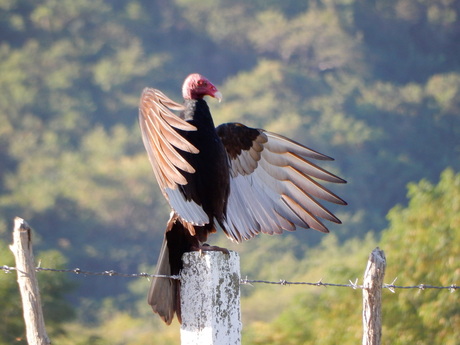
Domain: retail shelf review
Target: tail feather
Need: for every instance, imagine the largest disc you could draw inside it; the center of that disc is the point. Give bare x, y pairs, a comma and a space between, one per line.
164, 293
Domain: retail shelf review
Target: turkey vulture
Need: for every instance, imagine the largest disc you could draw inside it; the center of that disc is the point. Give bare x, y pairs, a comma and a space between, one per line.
246, 180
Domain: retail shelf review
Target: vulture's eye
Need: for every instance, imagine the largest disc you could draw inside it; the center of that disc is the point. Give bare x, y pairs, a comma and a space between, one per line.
201, 83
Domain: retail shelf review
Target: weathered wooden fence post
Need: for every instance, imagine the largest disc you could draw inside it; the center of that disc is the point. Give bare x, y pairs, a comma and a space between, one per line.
210, 299
372, 298
28, 285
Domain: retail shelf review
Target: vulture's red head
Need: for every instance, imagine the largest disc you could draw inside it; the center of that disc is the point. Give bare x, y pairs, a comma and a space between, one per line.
196, 87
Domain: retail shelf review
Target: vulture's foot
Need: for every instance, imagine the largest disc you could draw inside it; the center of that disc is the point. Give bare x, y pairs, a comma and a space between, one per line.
207, 248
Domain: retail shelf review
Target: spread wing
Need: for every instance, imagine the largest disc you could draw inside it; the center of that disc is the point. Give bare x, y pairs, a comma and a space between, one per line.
164, 145
273, 184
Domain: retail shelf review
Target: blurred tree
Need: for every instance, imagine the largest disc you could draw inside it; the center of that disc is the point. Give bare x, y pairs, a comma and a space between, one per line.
409, 40
54, 289
69, 73
420, 246
317, 315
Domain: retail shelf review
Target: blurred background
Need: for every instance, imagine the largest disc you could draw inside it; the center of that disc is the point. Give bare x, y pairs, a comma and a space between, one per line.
374, 84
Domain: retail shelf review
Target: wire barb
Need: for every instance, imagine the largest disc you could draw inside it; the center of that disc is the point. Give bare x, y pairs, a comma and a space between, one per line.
244, 281
7, 269
391, 286
320, 283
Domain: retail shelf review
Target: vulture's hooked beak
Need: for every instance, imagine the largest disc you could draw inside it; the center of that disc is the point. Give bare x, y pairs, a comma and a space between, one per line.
218, 96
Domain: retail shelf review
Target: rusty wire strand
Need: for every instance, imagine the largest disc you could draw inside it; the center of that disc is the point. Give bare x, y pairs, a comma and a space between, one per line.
243, 281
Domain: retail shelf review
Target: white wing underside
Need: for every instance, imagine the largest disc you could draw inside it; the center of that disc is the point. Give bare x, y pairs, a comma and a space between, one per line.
271, 190
187, 210
161, 140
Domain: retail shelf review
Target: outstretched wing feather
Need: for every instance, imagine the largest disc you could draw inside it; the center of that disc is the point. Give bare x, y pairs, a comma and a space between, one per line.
161, 140
273, 186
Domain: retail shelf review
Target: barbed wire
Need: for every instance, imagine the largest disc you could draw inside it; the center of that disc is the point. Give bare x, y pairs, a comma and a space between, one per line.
109, 273
392, 287
243, 281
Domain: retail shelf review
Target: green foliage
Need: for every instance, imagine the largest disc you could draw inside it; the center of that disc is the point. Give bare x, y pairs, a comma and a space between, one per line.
54, 289
12, 326
409, 40
421, 248
317, 315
